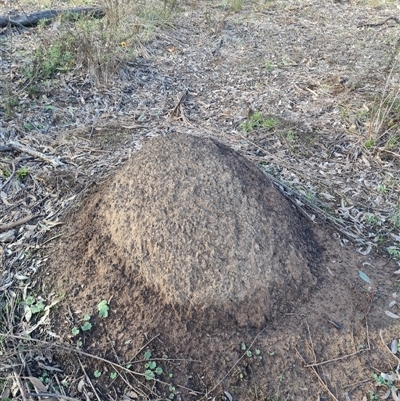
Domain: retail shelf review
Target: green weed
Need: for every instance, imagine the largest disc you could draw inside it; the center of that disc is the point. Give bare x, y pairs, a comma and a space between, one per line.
151, 367
22, 172
256, 121
369, 144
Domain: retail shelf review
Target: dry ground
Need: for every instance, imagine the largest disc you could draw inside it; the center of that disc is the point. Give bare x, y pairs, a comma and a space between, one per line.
318, 88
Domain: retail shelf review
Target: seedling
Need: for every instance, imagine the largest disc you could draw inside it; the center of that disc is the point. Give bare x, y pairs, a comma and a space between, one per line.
97, 374
103, 309
151, 368
85, 327
369, 144
113, 375
256, 121
394, 252
22, 172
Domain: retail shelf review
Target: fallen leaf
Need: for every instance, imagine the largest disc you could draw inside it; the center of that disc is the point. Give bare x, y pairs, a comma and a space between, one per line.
392, 315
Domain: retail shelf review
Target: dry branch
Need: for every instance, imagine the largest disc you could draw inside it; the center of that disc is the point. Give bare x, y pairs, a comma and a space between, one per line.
25, 149
48, 15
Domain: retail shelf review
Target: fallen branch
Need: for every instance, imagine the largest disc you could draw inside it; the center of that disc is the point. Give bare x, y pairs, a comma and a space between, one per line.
22, 148
9, 226
48, 15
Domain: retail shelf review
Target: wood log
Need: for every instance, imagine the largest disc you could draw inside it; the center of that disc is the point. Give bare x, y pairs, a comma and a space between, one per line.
48, 15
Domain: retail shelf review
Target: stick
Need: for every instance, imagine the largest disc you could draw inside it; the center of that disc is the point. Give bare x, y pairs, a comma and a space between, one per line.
9, 226
88, 379
22, 148
318, 376
235, 364
54, 395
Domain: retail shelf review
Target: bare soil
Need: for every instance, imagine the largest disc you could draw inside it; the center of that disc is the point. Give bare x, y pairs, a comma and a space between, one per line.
316, 70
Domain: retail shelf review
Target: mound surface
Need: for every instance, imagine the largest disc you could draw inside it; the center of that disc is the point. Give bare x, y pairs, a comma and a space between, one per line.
203, 227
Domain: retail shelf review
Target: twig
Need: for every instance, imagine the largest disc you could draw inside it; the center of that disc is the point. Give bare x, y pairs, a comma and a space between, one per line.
395, 19
99, 358
53, 395
88, 379
387, 348
9, 226
318, 376
311, 365
144, 346
180, 100
235, 364
388, 151
20, 386
22, 148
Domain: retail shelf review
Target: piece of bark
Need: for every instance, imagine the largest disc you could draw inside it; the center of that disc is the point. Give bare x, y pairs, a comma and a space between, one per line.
48, 15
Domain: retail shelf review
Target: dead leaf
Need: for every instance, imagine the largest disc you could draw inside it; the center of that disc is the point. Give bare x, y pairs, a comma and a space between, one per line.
392, 315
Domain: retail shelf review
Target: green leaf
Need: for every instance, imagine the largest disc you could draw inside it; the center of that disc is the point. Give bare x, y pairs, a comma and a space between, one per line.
171, 389
29, 301
103, 308
249, 353
75, 331
258, 352
147, 355
86, 327
159, 370
171, 396
79, 343
364, 277
152, 365
38, 307
97, 374
128, 366
86, 318
243, 347
113, 375
149, 374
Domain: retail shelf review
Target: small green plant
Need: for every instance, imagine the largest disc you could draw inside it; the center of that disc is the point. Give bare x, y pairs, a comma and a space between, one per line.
171, 390
113, 375
373, 396
22, 172
290, 136
382, 189
394, 218
50, 59
394, 252
34, 305
269, 66
393, 143
382, 380
372, 220
75, 331
103, 309
369, 144
256, 121
151, 367
97, 374
85, 327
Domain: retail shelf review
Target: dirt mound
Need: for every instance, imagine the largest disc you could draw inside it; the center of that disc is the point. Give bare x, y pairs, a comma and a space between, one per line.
195, 249
204, 227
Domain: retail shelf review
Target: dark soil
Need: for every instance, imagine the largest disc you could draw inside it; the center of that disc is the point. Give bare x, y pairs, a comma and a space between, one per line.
192, 244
